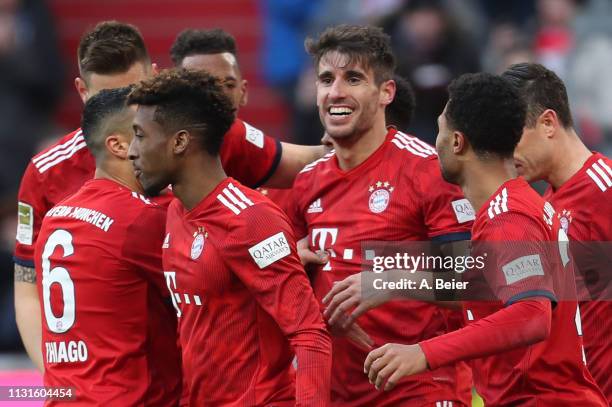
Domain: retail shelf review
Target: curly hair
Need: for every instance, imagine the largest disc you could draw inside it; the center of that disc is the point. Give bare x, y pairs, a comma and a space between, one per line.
542, 89
367, 45
111, 47
190, 100
191, 42
488, 110
399, 113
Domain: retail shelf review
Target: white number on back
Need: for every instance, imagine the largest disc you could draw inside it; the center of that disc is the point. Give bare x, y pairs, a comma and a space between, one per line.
60, 276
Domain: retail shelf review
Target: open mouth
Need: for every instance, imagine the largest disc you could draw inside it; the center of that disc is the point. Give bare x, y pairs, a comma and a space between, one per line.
340, 112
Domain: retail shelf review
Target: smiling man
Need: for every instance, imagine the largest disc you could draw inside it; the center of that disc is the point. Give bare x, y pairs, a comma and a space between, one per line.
378, 185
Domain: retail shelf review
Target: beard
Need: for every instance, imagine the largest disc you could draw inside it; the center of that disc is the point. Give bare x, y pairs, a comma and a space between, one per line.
447, 175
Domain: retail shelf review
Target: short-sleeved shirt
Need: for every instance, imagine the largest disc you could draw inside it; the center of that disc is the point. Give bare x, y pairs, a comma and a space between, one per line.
396, 194
243, 298
521, 229
584, 209
109, 329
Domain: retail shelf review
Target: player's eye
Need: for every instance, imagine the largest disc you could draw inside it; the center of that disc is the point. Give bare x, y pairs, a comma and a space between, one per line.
326, 80
354, 80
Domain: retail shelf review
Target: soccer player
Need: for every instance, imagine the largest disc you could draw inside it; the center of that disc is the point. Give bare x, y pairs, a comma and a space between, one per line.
108, 322
244, 303
379, 184
111, 55
581, 192
215, 51
526, 346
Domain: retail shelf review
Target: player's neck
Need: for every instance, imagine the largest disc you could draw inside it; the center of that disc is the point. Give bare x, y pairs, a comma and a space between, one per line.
199, 176
570, 156
480, 180
120, 173
352, 151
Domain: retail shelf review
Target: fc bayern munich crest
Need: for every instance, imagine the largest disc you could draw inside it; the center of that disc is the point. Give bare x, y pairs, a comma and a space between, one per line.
380, 196
197, 246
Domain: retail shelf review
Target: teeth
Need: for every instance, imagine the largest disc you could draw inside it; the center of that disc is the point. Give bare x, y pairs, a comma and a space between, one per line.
340, 110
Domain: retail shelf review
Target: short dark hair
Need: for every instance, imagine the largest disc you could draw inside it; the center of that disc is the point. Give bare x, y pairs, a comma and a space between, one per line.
367, 45
111, 47
542, 89
103, 114
193, 42
401, 110
186, 99
488, 110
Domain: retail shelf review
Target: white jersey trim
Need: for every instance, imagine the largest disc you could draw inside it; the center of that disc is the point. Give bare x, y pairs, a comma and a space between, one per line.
59, 153
312, 165
413, 145
601, 174
499, 204
239, 200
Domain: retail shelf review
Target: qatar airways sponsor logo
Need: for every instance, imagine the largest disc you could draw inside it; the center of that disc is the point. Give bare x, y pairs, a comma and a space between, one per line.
523, 267
270, 250
463, 210
66, 352
98, 219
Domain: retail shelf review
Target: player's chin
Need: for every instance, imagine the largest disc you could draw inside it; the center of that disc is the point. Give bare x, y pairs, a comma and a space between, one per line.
152, 189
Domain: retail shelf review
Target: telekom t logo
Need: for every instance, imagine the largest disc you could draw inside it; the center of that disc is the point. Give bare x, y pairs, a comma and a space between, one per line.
171, 283
320, 240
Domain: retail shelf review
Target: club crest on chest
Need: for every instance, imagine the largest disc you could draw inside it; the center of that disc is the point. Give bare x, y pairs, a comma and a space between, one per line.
380, 196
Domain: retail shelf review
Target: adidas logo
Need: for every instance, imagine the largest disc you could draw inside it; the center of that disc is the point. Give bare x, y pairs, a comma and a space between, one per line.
166, 244
315, 207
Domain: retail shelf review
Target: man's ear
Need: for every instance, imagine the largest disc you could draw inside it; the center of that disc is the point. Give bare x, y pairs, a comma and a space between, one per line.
81, 87
118, 144
549, 122
388, 92
244, 87
181, 140
154, 69
460, 143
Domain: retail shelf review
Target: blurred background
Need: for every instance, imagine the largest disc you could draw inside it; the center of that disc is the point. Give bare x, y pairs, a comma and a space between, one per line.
434, 41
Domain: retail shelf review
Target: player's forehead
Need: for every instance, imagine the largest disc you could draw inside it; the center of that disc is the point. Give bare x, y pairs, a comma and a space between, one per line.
222, 65
339, 63
136, 73
144, 116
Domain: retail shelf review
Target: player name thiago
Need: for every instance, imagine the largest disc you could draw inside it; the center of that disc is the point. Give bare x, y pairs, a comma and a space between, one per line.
419, 284
96, 218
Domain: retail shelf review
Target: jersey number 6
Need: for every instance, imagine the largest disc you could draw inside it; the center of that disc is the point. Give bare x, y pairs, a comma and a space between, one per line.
60, 276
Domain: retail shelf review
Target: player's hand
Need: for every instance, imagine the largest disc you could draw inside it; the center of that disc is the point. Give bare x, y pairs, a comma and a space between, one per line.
307, 256
393, 361
348, 294
355, 334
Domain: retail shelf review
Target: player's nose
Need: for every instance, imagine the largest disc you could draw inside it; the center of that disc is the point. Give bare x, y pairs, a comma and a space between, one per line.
132, 153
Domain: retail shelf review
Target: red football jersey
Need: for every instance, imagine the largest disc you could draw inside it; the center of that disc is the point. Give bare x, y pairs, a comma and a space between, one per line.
60, 170
551, 372
281, 197
244, 301
109, 330
584, 207
397, 194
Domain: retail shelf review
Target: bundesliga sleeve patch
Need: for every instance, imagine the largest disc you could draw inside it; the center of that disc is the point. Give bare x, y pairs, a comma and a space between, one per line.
254, 136
270, 250
463, 210
523, 267
25, 223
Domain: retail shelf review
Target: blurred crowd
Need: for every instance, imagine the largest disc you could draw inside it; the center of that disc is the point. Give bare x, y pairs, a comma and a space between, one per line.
437, 40
434, 41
